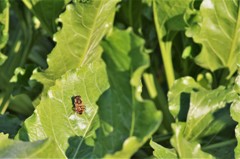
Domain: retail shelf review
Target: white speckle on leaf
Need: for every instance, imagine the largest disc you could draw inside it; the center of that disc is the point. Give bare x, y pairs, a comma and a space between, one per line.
72, 117
79, 123
185, 81
208, 4
73, 77
106, 25
35, 71
139, 88
82, 125
50, 94
88, 110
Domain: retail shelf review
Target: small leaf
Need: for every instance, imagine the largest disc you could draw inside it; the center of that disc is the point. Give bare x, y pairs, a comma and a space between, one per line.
210, 109
127, 120
191, 103
18, 149
2, 58
179, 96
162, 152
185, 148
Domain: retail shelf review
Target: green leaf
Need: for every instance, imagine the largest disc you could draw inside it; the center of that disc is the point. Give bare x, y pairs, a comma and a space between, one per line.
130, 14
126, 120
47, 12
38, 53
235, 115
55, 118
21, 39
191, 103
32, 129
162, 152
4, 22
9, 124
179, 96
209, 109
220, 43
77, 41
168, 17
235, 111
3, 58
185, 148
18, 149
21, 104
75, 68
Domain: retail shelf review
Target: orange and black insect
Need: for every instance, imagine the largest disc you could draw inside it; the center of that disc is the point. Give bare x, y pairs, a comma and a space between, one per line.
79, 107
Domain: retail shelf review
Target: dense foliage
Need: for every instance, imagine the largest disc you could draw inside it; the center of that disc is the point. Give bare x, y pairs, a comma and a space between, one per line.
158, 78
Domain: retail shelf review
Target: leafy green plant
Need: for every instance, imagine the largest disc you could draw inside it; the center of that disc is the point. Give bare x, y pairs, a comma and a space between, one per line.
158, 78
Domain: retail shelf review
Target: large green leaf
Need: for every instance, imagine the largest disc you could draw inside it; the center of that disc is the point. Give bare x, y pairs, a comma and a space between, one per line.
126, 120
168, 17
4, 21
220, 42
55, 118
19, 149
77, 41
162, 152
47, 12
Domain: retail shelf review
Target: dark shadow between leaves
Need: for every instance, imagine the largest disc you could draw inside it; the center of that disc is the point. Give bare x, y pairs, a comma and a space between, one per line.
78, 148
184, 106
222, 143
9, 124
23, 134
173, 25
220, 77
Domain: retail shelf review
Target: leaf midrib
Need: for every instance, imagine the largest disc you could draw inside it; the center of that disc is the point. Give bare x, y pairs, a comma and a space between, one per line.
90, 36
233, 45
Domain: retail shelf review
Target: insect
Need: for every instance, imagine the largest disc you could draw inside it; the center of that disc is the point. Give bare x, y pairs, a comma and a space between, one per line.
79, 107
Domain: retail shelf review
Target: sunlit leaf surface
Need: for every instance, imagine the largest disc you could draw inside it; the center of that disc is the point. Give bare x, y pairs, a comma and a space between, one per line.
219, 34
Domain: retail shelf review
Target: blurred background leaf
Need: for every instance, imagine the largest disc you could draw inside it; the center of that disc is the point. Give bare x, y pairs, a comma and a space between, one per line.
47, 12
19, 149
126, 120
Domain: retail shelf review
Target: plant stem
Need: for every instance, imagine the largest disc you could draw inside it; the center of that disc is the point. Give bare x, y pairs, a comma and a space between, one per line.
167, 61
166, 49
158, 96
5, 102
